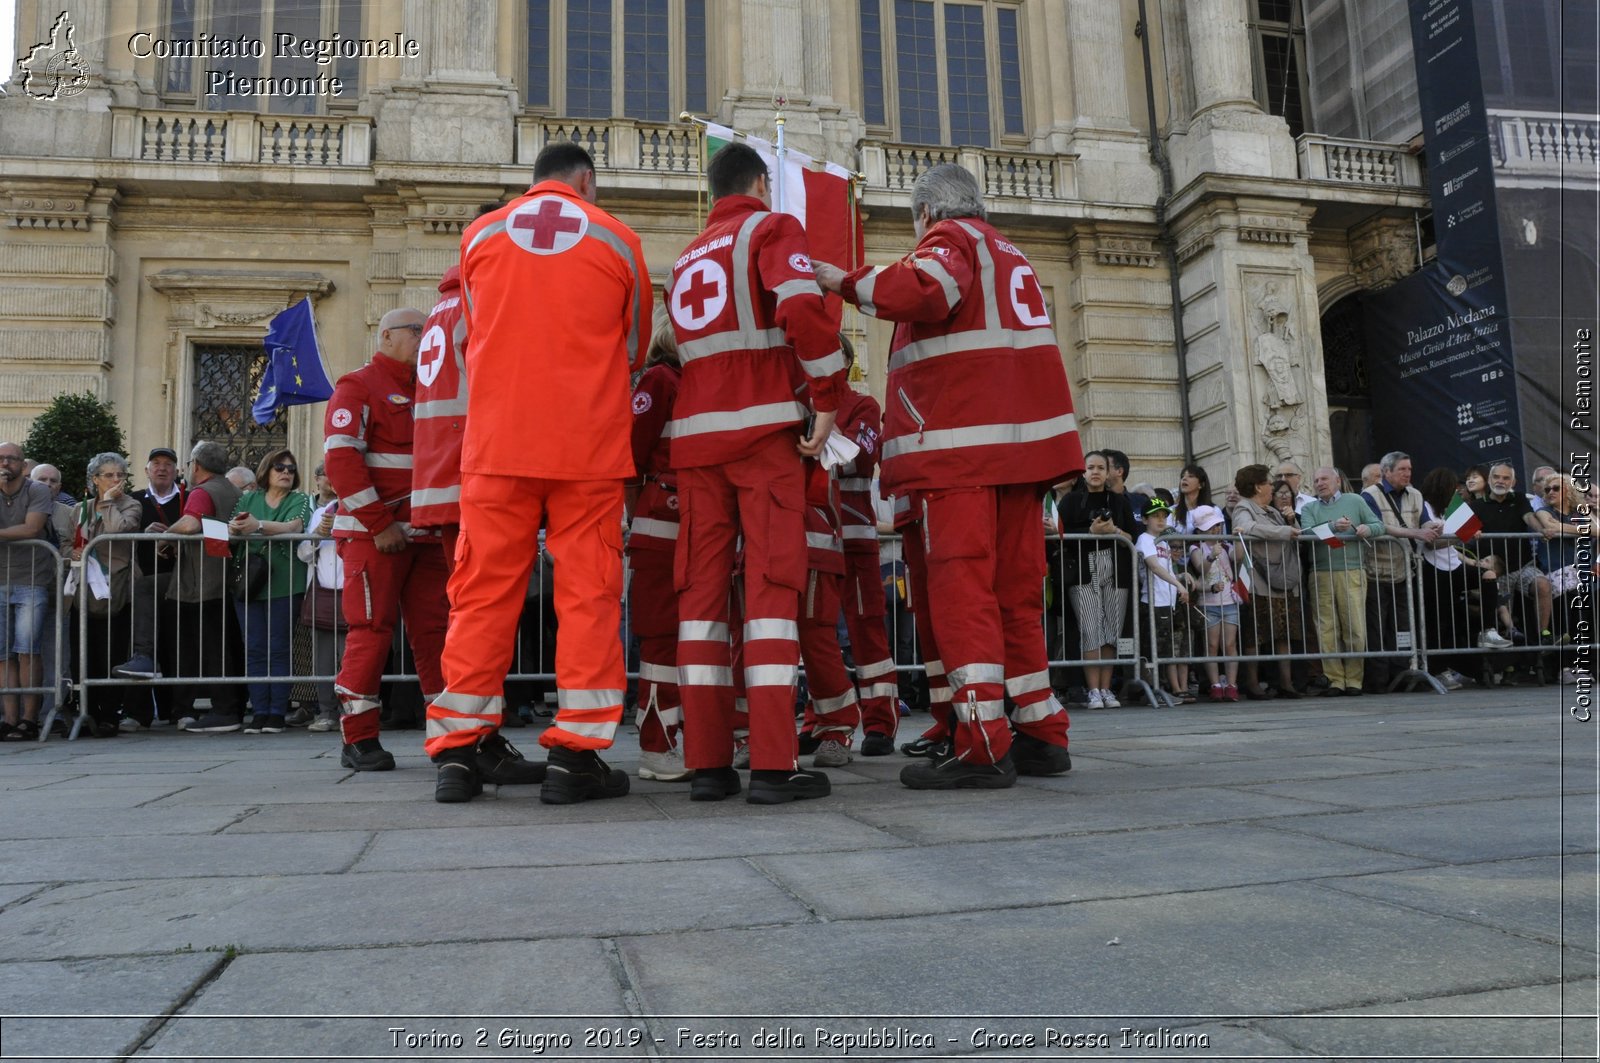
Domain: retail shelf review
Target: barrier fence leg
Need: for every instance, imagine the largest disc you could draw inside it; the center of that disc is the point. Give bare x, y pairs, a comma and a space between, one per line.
1417, 668
1138, 660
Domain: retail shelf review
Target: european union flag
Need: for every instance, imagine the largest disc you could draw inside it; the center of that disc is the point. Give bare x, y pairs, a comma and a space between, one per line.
295, 372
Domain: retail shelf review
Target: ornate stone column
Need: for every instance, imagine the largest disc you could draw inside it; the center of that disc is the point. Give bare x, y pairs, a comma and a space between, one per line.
1113, 161
1219, 42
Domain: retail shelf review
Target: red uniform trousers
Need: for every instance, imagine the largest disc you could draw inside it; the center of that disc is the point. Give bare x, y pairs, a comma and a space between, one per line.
986, 567
653, 603
916, 558
378, 590
864, 613
760, 496
832, 711
498, 547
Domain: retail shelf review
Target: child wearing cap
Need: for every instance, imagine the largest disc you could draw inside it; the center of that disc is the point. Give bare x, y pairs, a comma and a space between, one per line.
1213, 562
1162, 589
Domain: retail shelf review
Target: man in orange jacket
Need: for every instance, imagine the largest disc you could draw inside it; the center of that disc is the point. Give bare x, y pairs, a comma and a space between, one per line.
557, 306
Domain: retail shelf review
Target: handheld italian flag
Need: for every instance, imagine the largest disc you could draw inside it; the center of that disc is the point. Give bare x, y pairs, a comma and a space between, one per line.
824, 200
216, 536
1460, 522
1328, 537
1243, 578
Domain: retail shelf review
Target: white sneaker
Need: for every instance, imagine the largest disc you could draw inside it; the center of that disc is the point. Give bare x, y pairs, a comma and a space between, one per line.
127, 725
741, 752
1493, 640
831, 754
1109, 700
186, 722
324, 723
1096, 700
663, 767
1450, 679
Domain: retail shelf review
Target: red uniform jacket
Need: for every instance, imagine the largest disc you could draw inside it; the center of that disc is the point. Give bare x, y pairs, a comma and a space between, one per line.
558, 297
655, 513
862, 423
367, 434
751, 331
440, 410
977, 395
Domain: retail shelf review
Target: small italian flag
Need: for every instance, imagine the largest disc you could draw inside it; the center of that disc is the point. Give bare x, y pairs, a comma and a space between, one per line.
216, 536
1242, 579
1328, 537
823, 199
1460, 522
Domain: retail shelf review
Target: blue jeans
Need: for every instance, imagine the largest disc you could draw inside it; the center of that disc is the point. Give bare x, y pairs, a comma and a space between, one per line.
268, 627
22, 618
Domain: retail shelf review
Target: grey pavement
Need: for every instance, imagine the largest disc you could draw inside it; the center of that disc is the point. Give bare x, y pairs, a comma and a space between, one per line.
1398, 877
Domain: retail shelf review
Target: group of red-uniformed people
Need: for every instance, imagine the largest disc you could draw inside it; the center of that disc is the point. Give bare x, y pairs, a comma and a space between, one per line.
747, 463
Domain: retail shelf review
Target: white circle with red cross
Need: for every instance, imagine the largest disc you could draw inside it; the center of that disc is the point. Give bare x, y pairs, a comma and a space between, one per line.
430, 356
547, 225
1027, 298
700, 295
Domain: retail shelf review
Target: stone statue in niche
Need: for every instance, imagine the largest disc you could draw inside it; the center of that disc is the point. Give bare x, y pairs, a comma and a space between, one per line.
1277, 349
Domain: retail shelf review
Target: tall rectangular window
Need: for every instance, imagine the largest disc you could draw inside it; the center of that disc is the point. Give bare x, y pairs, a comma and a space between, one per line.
644, 59
1010, 73
872, 63
589, 58
918, 81
694, 56
235, 19
536, 86
179, 70
966, 66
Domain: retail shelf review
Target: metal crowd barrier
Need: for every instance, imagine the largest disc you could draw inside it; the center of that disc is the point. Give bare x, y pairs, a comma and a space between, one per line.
1088, 592
33, 582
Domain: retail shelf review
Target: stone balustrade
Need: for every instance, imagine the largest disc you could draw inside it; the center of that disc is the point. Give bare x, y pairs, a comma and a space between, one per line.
230, 137
1358, 162
894, 168
1537, 143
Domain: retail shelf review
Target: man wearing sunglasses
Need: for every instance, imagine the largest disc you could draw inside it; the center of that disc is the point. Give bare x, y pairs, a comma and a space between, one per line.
390, 569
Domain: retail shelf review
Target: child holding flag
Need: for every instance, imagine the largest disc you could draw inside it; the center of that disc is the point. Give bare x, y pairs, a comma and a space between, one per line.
1214, 563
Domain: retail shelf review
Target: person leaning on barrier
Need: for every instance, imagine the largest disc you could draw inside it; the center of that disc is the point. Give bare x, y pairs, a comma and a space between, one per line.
1338, 579
1505, 511
1388, 561
1450, 585
325, 571
1274, 610
1563, 524
1099, 576
107, 510
29, 580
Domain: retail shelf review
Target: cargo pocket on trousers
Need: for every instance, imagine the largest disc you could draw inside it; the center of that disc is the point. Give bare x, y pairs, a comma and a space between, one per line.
784, 543
944, 537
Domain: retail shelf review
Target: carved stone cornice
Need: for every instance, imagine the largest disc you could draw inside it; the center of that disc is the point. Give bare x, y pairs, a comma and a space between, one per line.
58, 206
233, 298
1382, 251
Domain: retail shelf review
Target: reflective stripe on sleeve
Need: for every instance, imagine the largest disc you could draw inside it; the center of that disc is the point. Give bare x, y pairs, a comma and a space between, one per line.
723, 342
334, 442
789, 289
439, 408
935, 269
980, 435
983, 339
360, 498
816, 368
734, 420
388, 461
864, 288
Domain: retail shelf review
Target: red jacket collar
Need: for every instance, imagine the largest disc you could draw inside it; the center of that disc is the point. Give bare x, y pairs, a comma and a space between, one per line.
396, 370
730, 207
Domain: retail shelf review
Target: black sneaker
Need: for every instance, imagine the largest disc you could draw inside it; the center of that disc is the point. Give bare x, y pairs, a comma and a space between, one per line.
713, 784
366, 755
877, 745
498, 761
458, 779
139, 666
216, 723
925, 747
1035, 756
777, 787
808, 743
949, 772
573, 775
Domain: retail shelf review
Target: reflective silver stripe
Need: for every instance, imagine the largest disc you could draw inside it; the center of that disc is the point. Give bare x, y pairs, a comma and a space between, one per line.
439, 408
771, 629
939, 695
935, 269
771, 675
864, 289
641, 285
360, 498
1039, 710
968, 674
704, 675
975, 340
986, 275
723, 342
876, 669
835, 704
439, 726
796, 287
967, 711
881, 690
742, 303
352, 697
901, 504
979, 435
482, 234
335, 442
733, 420
345, 522
388, 461
1027, 684
670, 717
821, 541
435, 496
817, 368
859, 531
935, 667
659, 529
856, 483
588, 700
702, 631
603, 729
657, 673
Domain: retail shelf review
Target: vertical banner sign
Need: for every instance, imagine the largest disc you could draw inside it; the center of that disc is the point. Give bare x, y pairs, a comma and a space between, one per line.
1438, 342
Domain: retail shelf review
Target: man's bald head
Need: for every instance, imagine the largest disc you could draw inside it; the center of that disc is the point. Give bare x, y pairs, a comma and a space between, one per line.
400, 333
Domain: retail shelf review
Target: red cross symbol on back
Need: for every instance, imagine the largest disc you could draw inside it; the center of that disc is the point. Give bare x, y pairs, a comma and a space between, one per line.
700, 291
1029, 295
546, 223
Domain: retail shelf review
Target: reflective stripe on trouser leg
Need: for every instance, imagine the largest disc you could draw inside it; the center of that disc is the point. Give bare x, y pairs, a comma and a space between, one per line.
584, 538
660, 705
960, 530
371, 605
864, 617
834, 710
916, 559
703, 571
1019, 586
487, 587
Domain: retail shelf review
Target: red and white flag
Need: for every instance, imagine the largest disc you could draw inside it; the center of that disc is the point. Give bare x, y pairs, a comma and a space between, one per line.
1242, 579
1460, 522
1328, 537
216, 536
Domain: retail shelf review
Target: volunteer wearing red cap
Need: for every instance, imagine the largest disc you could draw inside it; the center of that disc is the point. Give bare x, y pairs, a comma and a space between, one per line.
979, 416
557, 300
751, 332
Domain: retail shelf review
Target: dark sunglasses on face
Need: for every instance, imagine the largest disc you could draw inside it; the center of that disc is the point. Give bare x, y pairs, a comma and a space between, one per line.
285, 468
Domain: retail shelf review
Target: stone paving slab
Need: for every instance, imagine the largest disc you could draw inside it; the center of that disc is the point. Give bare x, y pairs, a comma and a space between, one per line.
1011, 873
46, 800
116, 858
126, 985
1481, 830
90, 822
555, 844
10, 894
382, 908
513, 806
1434, 786
1203, 773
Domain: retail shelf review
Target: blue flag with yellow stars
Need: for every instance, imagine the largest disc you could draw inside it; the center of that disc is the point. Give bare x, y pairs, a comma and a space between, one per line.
295, 374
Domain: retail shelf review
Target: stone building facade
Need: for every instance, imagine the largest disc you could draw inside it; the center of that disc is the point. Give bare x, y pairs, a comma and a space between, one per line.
151, 230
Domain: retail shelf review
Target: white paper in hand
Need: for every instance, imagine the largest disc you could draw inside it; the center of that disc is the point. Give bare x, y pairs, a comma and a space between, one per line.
838, 450
95, 577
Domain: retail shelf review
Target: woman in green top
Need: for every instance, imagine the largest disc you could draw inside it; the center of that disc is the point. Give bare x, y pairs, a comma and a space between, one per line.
265, 519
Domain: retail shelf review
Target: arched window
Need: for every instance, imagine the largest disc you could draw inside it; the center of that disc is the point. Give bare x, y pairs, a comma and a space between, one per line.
942, 72
644, 59
217, 50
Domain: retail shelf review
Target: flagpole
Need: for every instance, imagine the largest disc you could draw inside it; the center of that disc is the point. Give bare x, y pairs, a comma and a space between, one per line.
778, 202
